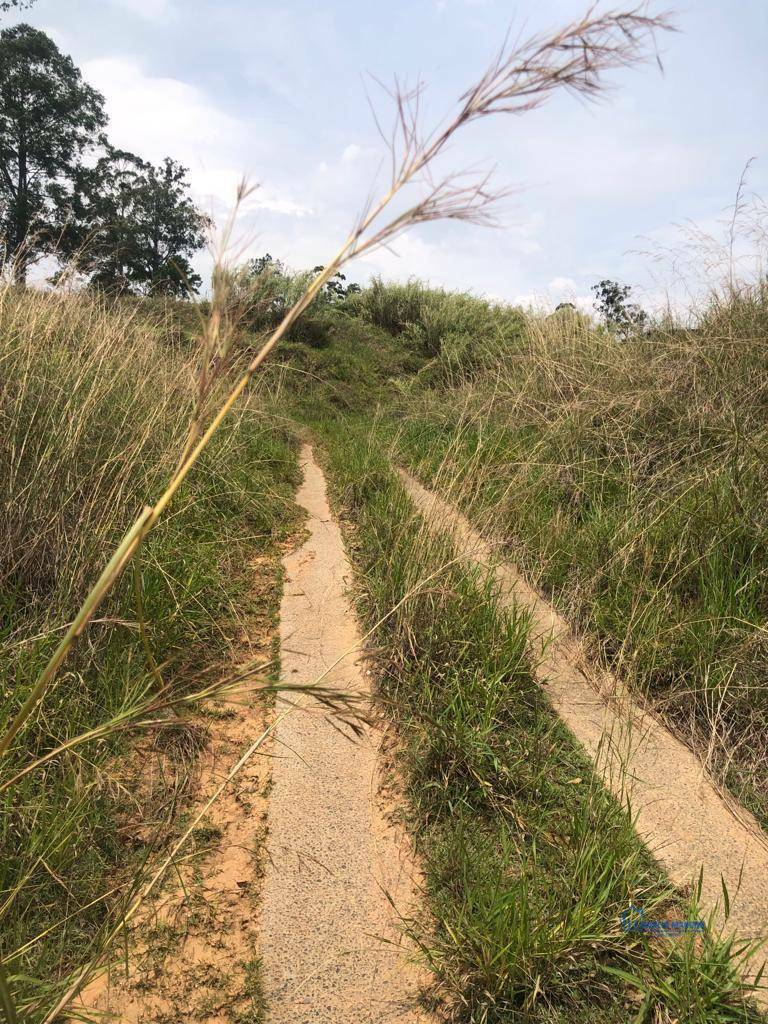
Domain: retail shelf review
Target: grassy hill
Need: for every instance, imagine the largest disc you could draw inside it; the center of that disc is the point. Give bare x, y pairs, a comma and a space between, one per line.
628, 478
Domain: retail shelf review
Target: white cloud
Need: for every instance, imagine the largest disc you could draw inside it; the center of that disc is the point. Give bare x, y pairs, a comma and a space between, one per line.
151, 10
566, 285
351, 152
442, 5
559, 289
267, 198
159, 116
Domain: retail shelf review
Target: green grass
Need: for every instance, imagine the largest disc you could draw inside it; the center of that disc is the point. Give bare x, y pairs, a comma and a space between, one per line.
629, 480
348, 374
253, 995
439, 324
96, 406
528, 860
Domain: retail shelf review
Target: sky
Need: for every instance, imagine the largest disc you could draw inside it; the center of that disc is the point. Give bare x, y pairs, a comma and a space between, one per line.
282, 92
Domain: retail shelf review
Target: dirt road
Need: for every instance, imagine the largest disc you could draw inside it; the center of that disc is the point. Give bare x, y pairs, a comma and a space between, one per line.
330, 943
681, 816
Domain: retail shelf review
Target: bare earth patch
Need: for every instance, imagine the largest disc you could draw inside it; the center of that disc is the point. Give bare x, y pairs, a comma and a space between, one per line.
192, 948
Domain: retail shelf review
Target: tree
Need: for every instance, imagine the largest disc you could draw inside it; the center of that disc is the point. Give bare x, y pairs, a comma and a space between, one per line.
135, 226
22, 5
100, 238
171, 229
266, 264
266, 290
611, 302
336, 289
49, 117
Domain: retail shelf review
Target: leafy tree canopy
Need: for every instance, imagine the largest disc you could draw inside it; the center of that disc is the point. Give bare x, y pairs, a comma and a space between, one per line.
265, 264
22, 5
49, 117
615, 309
135, 226
336, 287
268, 289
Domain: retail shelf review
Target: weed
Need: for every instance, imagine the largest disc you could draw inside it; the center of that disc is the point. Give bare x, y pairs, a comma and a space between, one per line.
95, 398
629, 479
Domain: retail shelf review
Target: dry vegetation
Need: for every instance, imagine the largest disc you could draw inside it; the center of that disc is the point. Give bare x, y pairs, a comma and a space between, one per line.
629, 479
95, 403
629, 476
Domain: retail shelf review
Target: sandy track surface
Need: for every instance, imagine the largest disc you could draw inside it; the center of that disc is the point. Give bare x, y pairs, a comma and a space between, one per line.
330, 940
681, 816
192, 950
192, 943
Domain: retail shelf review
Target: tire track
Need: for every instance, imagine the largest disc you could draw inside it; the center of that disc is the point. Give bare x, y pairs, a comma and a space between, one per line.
330, 941
680, 815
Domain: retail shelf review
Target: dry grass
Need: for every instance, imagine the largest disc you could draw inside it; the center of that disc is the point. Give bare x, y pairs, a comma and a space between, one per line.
97, 400
630, 481
104, 432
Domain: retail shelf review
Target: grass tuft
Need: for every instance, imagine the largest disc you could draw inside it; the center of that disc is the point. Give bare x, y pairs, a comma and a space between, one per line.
96, 399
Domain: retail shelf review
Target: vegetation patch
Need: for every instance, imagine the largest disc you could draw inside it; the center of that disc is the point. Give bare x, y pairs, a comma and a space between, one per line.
529, 862
97, 397
628, 478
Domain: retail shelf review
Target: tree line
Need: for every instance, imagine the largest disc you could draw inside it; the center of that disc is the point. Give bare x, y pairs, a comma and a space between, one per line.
120, 222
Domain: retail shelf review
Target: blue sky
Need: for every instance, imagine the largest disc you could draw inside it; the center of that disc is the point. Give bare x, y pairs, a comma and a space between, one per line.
278, 91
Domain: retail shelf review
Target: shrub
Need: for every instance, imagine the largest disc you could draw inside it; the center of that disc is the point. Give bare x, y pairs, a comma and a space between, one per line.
428, 316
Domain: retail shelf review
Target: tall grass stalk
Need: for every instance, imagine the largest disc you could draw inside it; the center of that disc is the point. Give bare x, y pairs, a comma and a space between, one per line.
523, 76
520, 79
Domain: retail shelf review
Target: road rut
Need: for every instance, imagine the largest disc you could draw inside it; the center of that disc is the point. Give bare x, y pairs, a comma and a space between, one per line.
331, 946
681, 816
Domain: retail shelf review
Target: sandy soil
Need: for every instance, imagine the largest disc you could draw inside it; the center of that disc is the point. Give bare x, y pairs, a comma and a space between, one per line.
193, 944
331, 946
682, 817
